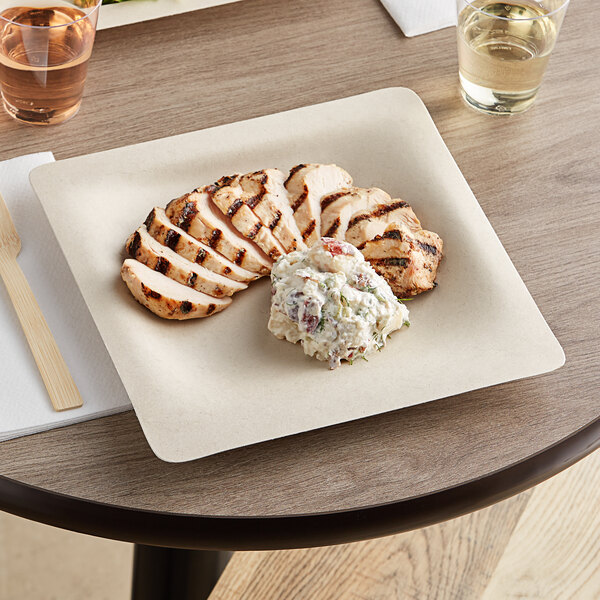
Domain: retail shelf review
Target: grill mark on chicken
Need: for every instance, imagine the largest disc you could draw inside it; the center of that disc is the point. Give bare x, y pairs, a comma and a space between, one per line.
252, 233
301, 199
254, 201
186, 307
427, 247
390, 261
187, 215
393, 234
224, 181
378, 212
327, 200
334, 227
201, 256
293, 171
239, 257
311, 227
210, 310
232, 210
263, 179
171, 239
275, 221
215, 236
162, 265
192, 279
149, 219
226, 270
150, 293
134, 245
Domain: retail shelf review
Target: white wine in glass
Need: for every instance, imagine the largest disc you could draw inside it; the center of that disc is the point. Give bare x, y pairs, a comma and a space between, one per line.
503, 50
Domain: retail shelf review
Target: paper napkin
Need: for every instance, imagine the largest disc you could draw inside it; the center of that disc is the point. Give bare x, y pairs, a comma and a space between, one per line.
24, 404
415, 17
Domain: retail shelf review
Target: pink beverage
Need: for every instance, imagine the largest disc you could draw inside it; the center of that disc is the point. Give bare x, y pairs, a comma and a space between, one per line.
44, 54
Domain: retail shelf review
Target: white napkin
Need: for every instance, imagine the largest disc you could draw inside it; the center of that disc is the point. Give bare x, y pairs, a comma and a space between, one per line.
24, 404
415, 17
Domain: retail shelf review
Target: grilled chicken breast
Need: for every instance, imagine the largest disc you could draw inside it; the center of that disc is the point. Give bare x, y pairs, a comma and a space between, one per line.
339, 207
367, 224
143, 247
196, 215
162, 230
265, 194
209, 244
228, 196
408, 260
306, 185
165, 297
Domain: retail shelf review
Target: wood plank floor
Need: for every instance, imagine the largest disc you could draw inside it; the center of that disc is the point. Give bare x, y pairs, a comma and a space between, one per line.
542, 544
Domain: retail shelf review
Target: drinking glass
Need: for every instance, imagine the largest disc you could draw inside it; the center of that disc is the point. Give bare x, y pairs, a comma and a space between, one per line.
503, 51
45, 46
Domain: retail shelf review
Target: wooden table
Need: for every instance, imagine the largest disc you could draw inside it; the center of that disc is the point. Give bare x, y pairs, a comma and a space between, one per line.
535, 175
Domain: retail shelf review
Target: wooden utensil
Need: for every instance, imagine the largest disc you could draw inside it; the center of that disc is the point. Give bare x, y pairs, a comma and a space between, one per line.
57, 379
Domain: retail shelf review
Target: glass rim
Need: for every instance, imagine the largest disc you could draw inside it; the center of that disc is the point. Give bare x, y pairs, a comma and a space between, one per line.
85, 16
544, 16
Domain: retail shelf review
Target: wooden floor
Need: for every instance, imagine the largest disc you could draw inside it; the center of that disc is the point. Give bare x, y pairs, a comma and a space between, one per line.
542, 544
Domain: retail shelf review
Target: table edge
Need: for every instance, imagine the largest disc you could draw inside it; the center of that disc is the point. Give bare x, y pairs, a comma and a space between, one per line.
274, 532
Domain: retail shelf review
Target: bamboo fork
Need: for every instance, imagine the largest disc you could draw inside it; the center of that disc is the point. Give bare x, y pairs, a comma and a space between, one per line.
57, 379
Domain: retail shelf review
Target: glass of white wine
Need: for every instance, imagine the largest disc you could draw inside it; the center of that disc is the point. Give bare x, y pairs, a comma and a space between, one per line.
503, 50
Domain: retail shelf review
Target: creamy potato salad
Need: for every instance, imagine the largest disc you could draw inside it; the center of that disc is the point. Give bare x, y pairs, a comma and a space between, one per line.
333, 302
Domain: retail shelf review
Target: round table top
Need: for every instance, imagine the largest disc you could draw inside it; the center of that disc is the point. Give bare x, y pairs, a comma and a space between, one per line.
536, 177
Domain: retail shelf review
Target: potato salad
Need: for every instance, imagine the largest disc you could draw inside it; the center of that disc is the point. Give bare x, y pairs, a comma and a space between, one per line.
332, 301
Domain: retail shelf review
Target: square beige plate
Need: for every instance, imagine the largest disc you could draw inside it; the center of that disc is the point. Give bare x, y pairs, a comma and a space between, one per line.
213, 384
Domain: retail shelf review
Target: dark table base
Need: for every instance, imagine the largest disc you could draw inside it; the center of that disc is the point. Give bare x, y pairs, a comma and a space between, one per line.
170, 574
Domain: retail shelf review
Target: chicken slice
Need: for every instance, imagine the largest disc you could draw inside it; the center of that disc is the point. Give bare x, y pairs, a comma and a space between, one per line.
367, 224
338, 208
408, 260
306, 185
143, 247
165, 297
162, 230
228, 196
266, 195
195, 214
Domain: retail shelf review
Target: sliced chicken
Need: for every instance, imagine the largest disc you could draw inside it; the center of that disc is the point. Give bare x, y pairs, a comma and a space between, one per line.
162, 230
367, 224
408, 260
228, 196
266, 195
196, 215
338, 208
165, 297
306, 185
143, 247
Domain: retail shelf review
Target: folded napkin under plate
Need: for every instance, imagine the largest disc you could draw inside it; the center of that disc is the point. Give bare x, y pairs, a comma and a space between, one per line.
415, 17
24, 404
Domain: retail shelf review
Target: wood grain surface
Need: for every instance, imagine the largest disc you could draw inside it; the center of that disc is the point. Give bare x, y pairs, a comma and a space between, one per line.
535, 175
539, 545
